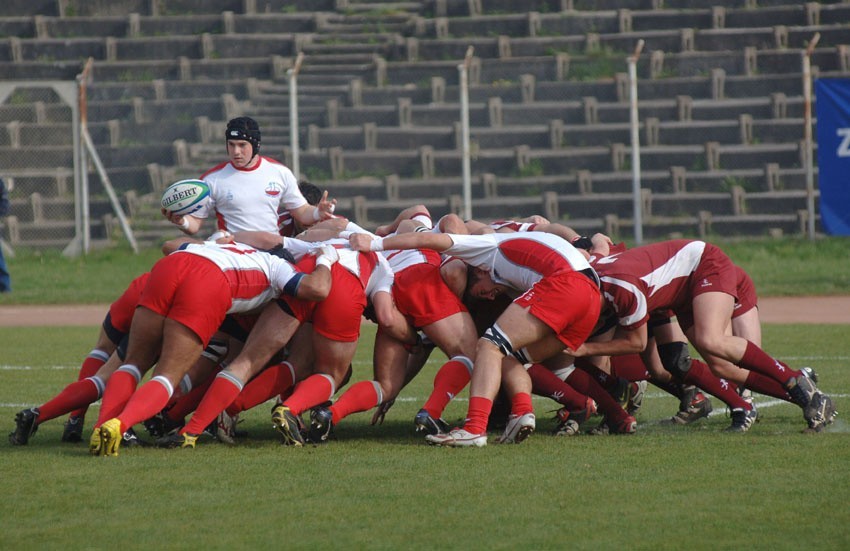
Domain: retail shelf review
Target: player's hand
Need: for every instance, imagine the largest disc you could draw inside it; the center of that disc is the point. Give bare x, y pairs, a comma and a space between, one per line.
360, 242
327, 256
579, 352
537, 219
381, 412
326, 207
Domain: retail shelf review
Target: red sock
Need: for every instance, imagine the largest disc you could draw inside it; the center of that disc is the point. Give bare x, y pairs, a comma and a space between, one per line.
93, 362
546, 383
478, 414
223, 390
756, 359
521, 404
701, 376
73, 396
629, 367
584, 383
118, 391
312, 391
146, 402
267, 384
361, 396
186, 404
452, 377
767, 386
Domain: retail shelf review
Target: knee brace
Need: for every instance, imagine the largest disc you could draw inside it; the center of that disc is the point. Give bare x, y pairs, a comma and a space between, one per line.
494, 334
215, 351
675, 358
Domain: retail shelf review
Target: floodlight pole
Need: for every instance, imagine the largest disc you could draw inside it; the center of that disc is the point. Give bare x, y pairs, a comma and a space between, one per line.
633, 110
807, 133
293, 115
463, 69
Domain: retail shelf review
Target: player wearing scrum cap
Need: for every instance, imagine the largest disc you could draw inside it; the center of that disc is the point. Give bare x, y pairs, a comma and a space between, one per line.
247, 191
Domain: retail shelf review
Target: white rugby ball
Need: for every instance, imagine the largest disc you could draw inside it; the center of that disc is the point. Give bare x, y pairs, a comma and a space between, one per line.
185, 196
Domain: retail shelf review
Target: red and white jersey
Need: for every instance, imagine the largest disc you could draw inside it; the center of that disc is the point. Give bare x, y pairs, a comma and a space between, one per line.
255, 277
645, 279
370, 268
249, 199
512, 225
399, 260
518, 260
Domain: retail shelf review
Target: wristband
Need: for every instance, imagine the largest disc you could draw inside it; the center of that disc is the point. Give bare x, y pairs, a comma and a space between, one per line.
317, 215
582, 242
185, 224
345, 234
324, 261
377, 245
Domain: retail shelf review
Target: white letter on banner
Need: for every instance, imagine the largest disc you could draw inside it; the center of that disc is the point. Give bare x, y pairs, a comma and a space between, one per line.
844, 148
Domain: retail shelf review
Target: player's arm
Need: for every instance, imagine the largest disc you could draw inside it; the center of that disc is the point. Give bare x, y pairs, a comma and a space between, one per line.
316, 286
624, 341
392, 322
308, 214
564, 232
261, 240
437, 241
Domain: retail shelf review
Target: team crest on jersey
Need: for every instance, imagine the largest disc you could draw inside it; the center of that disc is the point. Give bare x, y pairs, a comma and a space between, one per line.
273, 189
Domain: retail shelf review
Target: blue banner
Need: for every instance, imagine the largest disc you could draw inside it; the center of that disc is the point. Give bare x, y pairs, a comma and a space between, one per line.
833, 139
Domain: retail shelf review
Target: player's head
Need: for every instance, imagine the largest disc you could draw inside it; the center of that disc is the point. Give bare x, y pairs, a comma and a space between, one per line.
480, 285
311, 192
243, 129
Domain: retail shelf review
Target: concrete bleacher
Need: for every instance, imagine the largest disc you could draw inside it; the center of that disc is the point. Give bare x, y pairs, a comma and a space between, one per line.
720, 100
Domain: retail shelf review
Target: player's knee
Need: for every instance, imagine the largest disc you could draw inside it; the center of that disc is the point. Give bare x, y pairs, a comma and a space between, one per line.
675, 358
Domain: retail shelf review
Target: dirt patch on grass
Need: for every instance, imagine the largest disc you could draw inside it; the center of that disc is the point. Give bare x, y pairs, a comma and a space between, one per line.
834, 310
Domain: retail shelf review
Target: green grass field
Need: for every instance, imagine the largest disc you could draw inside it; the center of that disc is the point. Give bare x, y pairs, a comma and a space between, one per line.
667, 487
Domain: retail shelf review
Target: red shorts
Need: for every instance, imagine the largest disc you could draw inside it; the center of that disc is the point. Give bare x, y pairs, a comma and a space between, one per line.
423, 297
568, 302
715, 274
339, 316
191, 290
121, 311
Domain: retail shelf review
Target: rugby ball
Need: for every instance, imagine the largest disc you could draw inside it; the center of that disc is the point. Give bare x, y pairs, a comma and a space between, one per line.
185, 196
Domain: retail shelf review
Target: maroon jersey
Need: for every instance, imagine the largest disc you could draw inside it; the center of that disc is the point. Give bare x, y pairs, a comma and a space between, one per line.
662, 276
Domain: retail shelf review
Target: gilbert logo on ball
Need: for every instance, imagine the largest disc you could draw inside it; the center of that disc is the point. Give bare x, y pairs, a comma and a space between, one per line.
185, 196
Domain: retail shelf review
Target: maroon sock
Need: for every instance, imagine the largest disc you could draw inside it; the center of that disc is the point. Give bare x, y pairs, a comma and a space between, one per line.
629, 367
607, 381
767, 386
584, 383
756, 359
701, 376
546, 383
